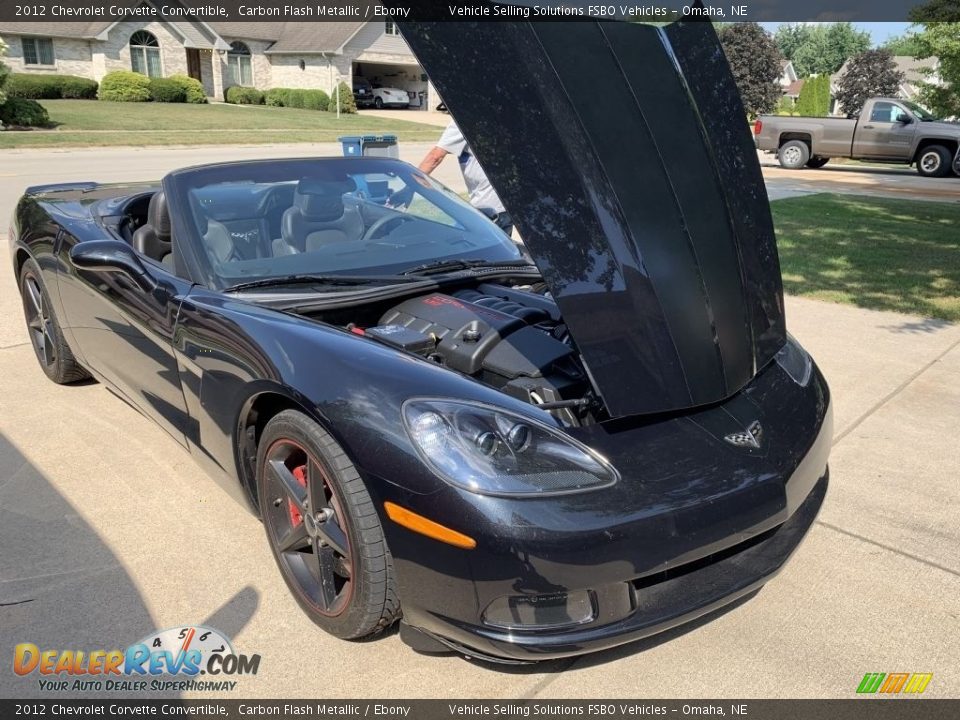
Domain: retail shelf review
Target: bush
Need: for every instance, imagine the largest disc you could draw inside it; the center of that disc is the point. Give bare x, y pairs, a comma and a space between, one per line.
78, 88
167, 90
315, 100
124, 86
24, 113
192, 89
347, 103
50, 87
296, 98
243, 96
277, 97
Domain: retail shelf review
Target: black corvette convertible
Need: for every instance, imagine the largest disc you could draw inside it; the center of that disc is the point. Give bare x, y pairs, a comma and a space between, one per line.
520, 454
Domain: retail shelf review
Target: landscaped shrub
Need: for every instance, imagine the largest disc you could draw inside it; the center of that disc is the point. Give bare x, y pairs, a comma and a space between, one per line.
315, 100
277, 97
24, 113
124, 86
296, 98
347, 103
78, 88
192, 89
167, 90
244, 96
50, 87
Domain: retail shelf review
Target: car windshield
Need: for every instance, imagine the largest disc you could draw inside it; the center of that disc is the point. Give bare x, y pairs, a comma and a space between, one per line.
921, 114
257, 221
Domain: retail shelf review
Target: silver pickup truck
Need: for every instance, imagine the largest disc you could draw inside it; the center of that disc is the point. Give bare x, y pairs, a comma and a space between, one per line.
887, 130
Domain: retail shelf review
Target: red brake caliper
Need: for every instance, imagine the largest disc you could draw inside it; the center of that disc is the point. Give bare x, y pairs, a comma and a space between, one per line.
300, 473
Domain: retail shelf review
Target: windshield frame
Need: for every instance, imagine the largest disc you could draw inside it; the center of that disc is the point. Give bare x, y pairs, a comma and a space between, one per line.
190, 246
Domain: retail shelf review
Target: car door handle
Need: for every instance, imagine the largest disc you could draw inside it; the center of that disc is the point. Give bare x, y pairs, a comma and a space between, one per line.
869, 127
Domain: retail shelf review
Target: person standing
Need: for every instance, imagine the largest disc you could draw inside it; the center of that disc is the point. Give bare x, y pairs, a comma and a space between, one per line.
482, 195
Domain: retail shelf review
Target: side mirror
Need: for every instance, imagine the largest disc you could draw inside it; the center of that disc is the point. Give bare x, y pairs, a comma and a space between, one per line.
112, 256
904, 120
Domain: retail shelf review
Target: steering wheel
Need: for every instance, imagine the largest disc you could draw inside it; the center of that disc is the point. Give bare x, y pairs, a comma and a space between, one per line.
378, 225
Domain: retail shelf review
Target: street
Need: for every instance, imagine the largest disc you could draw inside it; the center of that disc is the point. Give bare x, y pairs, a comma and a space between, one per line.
110, 531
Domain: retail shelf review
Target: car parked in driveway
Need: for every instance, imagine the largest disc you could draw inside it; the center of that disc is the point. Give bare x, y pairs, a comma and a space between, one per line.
362, 92
390, 97
887, 130
516, 456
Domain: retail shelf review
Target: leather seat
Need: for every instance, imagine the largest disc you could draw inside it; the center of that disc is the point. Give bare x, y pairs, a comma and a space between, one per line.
153, 238
320, 215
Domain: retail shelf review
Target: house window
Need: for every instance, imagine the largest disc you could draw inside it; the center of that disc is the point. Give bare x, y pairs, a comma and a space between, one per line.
37, 51
145, 54
390, 28
239, 66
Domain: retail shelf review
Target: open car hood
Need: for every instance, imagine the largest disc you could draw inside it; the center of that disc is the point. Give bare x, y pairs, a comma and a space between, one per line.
623, 153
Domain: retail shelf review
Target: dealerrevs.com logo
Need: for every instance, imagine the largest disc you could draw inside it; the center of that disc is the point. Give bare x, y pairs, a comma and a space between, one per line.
168, 660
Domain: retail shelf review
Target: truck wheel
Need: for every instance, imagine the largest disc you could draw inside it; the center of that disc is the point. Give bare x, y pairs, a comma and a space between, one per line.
817, 162
934, 161
794, 155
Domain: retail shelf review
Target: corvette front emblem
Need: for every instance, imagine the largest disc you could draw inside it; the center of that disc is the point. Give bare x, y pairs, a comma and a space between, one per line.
751, 438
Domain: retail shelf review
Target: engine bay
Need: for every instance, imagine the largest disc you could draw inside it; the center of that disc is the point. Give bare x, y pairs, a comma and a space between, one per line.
511, 338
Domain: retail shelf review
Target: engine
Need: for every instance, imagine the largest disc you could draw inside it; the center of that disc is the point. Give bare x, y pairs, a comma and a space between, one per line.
511, 339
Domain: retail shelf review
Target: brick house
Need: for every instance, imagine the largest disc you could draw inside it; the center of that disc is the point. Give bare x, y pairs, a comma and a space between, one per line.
263, 55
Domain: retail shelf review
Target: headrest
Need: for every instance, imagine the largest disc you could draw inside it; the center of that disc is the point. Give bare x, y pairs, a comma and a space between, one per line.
158, 215
322, 199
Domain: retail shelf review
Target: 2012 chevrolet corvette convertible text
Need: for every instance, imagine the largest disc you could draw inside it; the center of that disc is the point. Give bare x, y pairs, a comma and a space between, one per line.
518, 456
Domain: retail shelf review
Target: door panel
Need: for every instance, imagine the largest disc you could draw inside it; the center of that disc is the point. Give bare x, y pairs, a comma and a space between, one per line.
125, 335
880, 135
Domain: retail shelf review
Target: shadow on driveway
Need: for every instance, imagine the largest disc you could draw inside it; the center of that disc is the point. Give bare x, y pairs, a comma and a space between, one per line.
61, 587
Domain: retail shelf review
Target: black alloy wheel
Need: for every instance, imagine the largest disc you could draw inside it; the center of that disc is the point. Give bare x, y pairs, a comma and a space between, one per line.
53, 354
323, 529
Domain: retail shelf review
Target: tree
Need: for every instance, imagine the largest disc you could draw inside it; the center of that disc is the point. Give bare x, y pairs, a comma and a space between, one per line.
4, 73
940, 38
936, 11
906, 44
871, 73
814, 100
755, 64
820, 49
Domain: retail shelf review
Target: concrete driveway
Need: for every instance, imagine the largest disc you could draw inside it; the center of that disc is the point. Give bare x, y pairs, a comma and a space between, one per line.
108, 531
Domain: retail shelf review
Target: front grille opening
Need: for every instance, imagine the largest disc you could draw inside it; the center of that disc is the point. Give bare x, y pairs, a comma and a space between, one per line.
656, 578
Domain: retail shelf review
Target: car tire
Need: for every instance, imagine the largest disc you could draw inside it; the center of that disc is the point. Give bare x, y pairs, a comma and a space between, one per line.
323, 529
49, 345
794, 154
817, 162
934, 161
378, 103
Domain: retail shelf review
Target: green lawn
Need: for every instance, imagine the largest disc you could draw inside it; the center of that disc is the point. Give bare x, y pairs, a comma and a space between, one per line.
91, 122
901, 255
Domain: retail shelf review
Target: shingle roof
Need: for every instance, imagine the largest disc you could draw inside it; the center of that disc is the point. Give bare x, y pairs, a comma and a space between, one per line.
56, 29
287, 37
314, 37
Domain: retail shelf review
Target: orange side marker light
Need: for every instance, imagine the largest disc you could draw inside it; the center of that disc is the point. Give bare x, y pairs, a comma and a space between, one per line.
420, 524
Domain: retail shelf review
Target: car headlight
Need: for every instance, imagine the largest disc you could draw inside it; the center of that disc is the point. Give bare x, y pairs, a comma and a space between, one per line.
795, 361
491, 451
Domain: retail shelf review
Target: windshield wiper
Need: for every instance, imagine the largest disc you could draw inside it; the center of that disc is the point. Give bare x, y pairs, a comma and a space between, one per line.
329, 280
442, 266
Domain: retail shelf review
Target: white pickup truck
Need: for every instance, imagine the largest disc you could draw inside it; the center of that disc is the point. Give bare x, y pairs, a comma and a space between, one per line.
887, 130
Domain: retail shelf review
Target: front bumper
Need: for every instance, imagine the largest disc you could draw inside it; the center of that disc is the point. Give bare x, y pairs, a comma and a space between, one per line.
692, 526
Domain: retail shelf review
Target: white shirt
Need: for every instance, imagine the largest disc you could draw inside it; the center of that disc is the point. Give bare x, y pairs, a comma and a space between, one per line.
482, 194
